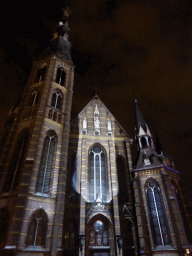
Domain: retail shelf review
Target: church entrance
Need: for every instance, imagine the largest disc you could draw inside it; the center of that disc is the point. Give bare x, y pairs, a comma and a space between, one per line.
99, 237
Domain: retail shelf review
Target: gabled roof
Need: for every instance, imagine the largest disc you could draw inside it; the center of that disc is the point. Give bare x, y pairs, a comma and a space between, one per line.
97, 97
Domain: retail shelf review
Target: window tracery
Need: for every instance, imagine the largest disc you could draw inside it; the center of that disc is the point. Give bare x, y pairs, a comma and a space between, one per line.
36, 235
46, 164
97, 174
157, 214
56, 100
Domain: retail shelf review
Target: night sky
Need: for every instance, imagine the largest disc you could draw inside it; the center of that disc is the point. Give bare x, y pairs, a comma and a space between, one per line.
123, 48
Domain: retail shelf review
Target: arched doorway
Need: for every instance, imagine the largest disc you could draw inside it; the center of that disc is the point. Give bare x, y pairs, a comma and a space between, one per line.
100, 237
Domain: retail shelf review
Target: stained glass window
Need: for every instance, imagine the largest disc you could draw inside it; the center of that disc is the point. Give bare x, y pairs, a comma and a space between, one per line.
97, 180
46, 164
159, 225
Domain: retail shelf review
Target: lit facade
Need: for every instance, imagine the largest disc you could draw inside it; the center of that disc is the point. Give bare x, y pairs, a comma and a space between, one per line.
69, 187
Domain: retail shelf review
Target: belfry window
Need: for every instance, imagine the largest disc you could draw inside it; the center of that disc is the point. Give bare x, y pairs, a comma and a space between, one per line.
97, 181
41, 73
34, 98
13, 174
159, 225
46, 165
56, 100
36, 235
60, 78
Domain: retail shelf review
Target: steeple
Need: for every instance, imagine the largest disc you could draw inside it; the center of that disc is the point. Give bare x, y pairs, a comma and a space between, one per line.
144, 136
147, 155
60, 44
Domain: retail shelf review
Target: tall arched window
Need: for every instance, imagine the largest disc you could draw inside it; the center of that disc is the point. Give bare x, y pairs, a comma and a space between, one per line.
36, 235
97, 181
60, 78
34, 97
159, 225
41, 73
56, 100
13, 174
46, 165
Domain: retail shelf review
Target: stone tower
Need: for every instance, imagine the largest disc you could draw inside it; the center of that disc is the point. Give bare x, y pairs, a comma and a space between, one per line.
69, 188
162, 220
34, 159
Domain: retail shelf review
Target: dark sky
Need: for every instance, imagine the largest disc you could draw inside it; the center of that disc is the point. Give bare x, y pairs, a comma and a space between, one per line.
121, 47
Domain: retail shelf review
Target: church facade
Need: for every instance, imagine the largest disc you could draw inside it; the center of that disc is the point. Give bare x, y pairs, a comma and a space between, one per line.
69, 187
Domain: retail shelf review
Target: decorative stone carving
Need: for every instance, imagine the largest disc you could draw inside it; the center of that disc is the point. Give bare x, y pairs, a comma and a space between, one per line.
84, 130
109, 130
96, 121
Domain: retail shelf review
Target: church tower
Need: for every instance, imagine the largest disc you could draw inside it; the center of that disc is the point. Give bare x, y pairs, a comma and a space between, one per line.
34, 159
162, 219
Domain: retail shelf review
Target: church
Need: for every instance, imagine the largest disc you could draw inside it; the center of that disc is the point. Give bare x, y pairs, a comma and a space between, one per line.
69, 186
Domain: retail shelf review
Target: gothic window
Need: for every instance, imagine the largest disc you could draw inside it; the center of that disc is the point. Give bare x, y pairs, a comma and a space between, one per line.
34, 98
60, 78
56, 100
159, 225
143, 142
99, 235
41, 73
36, 235
97, 174
46, 165
13, 174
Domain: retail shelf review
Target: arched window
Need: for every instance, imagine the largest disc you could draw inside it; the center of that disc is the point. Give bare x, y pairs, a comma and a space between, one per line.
60, 78
143, 142
97, 181
13, 174
36, 235
34, 98
46, 165
56, 100
41, 73
159, 225
99, 235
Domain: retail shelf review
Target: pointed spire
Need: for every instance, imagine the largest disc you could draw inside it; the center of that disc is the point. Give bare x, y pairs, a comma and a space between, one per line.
140, 118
